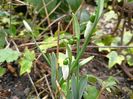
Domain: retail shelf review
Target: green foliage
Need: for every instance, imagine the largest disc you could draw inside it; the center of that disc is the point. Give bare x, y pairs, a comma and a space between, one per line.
78, 87
68, 74
109, 40
8, 55
39, 4
129, 60
2, 71
4, 13
52, 58
110, 15
26, 61
127, 37
114, 59
86, 60
76, 26
47, 41
74, 4
2, 39
92, 79
91, 93
110, 82
83, 16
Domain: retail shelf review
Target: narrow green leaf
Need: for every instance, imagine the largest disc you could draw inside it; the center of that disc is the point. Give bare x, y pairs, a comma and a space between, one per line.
109, 83
53, 60
38, 4
75, 90
74, 4
85, 61
88, 38
88, 29
2, 71
2, 38
69, 53
100, 7
82, 86
76, 26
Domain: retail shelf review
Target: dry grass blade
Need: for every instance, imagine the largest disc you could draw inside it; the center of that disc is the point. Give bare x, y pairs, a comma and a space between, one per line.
52, 95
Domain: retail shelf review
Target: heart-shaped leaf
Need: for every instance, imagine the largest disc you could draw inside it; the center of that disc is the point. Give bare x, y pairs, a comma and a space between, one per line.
114, 59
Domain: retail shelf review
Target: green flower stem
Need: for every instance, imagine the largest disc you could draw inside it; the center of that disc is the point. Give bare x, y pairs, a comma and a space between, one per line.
87, 40
40, 49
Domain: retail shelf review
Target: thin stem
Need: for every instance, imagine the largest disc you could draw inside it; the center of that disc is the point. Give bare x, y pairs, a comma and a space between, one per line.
40, 49
71, 18
47, 15
57, 59
60, 90
49, 87
87, 40
57, 51
99, 95
33, 86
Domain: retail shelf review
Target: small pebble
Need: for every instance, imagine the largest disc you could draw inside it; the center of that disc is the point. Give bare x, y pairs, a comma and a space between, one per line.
131, 86
26, 91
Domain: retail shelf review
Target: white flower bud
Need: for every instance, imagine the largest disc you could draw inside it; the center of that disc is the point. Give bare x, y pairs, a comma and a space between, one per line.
65, 71
88, 29
27, 26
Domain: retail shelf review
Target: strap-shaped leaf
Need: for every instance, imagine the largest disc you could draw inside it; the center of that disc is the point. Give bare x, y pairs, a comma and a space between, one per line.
76, 26
85, 61
88, 38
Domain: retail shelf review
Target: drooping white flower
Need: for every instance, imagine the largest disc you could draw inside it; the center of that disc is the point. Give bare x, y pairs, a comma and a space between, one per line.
65, 71
88, 29
27, 26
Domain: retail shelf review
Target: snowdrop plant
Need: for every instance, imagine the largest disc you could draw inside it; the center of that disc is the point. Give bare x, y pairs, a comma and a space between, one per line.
72, 84
66, 81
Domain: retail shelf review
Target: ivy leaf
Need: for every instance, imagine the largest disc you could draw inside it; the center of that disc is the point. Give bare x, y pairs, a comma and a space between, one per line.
48, 43
2, 71
110, 15
26, 61
91, 93
114, 59
127, 37
111, 81
116, 41
8, 55
102, 49
129, 60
